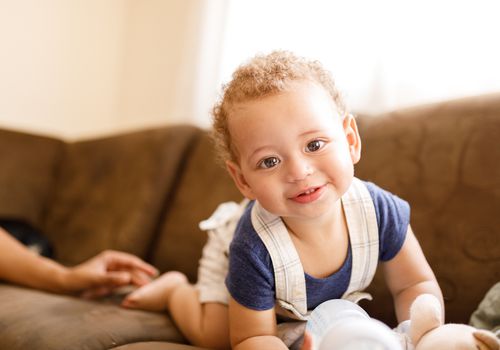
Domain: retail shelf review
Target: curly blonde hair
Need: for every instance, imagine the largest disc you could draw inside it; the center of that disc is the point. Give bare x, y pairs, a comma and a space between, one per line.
262, 76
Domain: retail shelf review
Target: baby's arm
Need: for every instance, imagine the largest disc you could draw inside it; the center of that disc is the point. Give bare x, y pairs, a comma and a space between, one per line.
408, 275
250, 329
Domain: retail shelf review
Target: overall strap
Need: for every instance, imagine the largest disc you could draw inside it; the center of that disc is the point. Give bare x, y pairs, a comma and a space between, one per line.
288, 271
363, 232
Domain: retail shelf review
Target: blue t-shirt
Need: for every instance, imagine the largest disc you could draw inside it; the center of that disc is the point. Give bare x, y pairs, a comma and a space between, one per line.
250, 279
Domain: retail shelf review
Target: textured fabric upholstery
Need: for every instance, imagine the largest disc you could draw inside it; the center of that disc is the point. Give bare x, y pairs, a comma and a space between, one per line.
111, 192
443, 159
203, 185
28, 165
39, 320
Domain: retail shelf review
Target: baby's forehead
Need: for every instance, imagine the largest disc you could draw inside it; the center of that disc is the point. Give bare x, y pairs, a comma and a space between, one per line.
237, 109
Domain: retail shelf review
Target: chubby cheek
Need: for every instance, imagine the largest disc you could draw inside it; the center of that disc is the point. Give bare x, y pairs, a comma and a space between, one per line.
265, 190
340, 172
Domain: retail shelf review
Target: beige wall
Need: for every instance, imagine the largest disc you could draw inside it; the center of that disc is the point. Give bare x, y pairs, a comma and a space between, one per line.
81, 68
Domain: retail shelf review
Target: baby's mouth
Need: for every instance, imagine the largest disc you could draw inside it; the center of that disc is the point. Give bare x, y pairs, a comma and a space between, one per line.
309, 195
312, 190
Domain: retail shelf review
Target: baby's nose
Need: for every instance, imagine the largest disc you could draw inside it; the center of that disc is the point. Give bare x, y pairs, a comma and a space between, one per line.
298, 170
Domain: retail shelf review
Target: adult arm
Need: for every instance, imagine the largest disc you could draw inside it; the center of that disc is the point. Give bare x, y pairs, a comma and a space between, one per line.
99, 275
408, 275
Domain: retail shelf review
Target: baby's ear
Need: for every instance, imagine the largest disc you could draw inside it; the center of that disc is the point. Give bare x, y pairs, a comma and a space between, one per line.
353, 138
425, 315
488, 338
239, 179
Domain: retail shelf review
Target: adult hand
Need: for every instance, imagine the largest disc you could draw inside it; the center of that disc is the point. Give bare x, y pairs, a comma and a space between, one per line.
107, 271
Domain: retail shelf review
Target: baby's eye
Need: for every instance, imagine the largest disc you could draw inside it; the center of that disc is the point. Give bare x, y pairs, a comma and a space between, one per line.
269, 163
314, 146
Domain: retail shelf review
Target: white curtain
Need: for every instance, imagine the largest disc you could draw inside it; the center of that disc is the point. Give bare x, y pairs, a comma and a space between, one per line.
82, 68
200, 70
384, 54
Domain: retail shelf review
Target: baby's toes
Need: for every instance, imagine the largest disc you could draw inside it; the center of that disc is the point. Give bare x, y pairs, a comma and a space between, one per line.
129, 303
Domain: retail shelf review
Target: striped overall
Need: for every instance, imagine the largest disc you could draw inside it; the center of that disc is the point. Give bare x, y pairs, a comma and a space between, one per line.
291, 302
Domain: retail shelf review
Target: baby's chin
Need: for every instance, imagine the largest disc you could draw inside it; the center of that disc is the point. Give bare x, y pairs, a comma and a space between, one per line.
327, 207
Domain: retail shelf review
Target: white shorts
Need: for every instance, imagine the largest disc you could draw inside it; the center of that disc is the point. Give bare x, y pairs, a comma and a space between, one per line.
214, 263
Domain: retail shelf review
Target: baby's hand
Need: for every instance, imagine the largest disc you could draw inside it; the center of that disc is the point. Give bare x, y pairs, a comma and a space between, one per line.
308, 341
155, 295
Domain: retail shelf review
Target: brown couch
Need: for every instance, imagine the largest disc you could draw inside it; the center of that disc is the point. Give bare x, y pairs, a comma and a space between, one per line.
145, 193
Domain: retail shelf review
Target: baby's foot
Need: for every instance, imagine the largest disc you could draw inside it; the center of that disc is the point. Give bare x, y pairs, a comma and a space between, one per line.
154, 296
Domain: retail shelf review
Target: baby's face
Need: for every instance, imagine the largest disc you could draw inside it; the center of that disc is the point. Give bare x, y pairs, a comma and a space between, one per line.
295, 152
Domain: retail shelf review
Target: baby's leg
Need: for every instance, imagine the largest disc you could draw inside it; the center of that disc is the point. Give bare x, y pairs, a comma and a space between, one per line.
205, 325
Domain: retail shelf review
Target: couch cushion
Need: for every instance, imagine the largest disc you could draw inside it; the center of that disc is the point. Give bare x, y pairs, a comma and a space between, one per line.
157, 346
203, 185
111, 191
28, 164
443, 159
36, 320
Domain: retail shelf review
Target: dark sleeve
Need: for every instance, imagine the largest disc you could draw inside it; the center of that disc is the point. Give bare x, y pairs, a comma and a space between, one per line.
393, 218
250, 279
